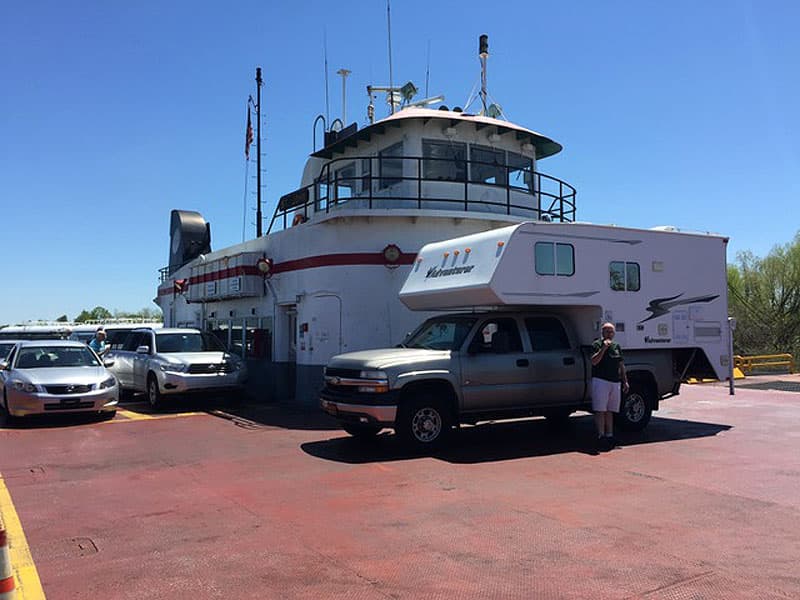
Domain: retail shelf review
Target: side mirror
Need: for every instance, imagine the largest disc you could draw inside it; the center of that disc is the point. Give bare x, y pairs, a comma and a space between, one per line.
3, 365
143, 350
108, 363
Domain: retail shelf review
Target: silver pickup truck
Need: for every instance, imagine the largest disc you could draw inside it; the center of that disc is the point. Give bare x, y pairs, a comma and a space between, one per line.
171, 362
470, 367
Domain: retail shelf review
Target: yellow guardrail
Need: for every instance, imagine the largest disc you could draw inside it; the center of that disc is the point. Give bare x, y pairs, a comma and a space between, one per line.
748, 364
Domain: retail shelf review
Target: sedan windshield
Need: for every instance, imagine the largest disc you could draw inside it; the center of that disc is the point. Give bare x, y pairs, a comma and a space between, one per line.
441, 333
187, 342
56, 356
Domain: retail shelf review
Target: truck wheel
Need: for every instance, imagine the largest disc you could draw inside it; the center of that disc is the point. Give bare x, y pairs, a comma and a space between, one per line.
153, 393
636, 408
425, 423
360, 431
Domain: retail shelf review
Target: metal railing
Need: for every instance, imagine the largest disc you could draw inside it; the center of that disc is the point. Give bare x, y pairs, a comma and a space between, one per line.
379, 186
761, 362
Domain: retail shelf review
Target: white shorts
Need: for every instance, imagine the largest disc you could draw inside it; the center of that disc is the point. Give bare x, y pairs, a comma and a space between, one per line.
605, 395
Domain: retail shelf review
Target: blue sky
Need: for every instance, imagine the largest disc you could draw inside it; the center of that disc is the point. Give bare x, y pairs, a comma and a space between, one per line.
111, 114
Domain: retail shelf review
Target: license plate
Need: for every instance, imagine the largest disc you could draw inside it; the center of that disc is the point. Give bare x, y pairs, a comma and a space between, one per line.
70, 401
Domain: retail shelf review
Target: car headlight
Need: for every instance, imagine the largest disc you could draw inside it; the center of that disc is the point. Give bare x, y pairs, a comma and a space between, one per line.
24, 386
174, 367
104, 385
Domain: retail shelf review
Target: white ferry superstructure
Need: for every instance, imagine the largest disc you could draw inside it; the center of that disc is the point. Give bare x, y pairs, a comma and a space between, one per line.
325, 278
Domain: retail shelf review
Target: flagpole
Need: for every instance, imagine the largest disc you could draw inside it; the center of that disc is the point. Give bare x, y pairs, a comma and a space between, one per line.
259, 83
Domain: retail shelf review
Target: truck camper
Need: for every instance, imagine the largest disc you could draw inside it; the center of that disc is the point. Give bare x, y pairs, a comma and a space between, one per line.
531, 298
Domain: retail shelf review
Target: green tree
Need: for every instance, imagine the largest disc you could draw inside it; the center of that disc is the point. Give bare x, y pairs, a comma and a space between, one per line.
62, 319
765, 299
96, 314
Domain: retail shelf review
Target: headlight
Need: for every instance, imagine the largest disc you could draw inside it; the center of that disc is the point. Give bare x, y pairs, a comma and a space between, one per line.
23, 386
377, 382
174, 367
104, 385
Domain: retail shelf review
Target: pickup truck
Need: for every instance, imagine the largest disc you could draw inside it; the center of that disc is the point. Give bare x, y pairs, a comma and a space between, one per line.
470, 367
171, 362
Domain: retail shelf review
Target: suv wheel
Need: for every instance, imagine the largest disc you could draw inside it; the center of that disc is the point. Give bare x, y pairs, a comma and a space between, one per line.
153, 393
425, 423
361, 431
636, 408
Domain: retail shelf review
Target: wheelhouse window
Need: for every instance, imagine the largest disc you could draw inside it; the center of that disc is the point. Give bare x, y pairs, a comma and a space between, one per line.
520, 172
488, 166
444, 161
624, 276
553, 258
366, 175
346, 182
390, 165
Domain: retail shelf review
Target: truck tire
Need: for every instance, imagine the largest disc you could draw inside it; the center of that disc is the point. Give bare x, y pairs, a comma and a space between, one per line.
361, 431
636, 407
424, 422
153, 393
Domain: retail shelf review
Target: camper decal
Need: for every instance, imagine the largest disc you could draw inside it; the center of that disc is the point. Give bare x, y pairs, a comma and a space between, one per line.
435, 272
662, 306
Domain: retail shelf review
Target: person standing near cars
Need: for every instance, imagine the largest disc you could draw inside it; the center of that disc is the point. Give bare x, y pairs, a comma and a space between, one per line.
98, 343
608, 370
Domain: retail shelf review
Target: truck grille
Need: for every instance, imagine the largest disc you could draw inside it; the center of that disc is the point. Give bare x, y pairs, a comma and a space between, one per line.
343, 373
68, 389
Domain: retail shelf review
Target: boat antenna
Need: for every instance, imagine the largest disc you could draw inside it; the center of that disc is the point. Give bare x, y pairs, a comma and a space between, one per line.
483, 53
389, 28
344, 73
259, 84
428, 69
325, 55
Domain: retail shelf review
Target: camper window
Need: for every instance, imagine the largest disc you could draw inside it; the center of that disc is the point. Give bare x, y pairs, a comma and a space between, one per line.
624, 276
554, 259
390, 165
444, 161
546, 334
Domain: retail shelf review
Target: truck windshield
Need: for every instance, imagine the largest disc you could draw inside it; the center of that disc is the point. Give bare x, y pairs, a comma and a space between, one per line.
441, 333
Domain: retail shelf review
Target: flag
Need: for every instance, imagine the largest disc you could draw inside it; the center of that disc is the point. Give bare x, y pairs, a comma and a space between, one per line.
248, 136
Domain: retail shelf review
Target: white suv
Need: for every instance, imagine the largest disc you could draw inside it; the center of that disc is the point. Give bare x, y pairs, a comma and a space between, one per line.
170, 362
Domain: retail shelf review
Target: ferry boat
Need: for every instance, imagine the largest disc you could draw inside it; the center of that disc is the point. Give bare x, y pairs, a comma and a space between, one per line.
325, 277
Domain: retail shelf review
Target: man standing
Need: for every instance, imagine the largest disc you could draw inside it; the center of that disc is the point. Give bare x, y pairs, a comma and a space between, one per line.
98, 343
607, 372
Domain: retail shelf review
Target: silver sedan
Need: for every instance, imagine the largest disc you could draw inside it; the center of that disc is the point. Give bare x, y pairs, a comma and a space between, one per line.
52, 376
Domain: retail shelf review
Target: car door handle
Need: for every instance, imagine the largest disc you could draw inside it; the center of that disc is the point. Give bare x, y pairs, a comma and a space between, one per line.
522, 362
568, 360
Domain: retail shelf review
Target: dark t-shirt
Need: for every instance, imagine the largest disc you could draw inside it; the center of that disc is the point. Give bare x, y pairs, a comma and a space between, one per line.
608, 367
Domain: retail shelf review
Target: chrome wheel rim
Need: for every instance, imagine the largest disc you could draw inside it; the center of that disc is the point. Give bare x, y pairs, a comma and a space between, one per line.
634, 407
426, 425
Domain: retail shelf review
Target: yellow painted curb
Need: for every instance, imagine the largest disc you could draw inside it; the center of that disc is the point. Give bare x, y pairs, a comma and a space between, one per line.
29, 587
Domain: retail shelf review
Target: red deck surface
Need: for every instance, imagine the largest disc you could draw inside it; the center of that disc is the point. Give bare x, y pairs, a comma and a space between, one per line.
704, 504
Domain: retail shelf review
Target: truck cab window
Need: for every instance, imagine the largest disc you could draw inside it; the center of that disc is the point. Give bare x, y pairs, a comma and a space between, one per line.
546, 334
498, 336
